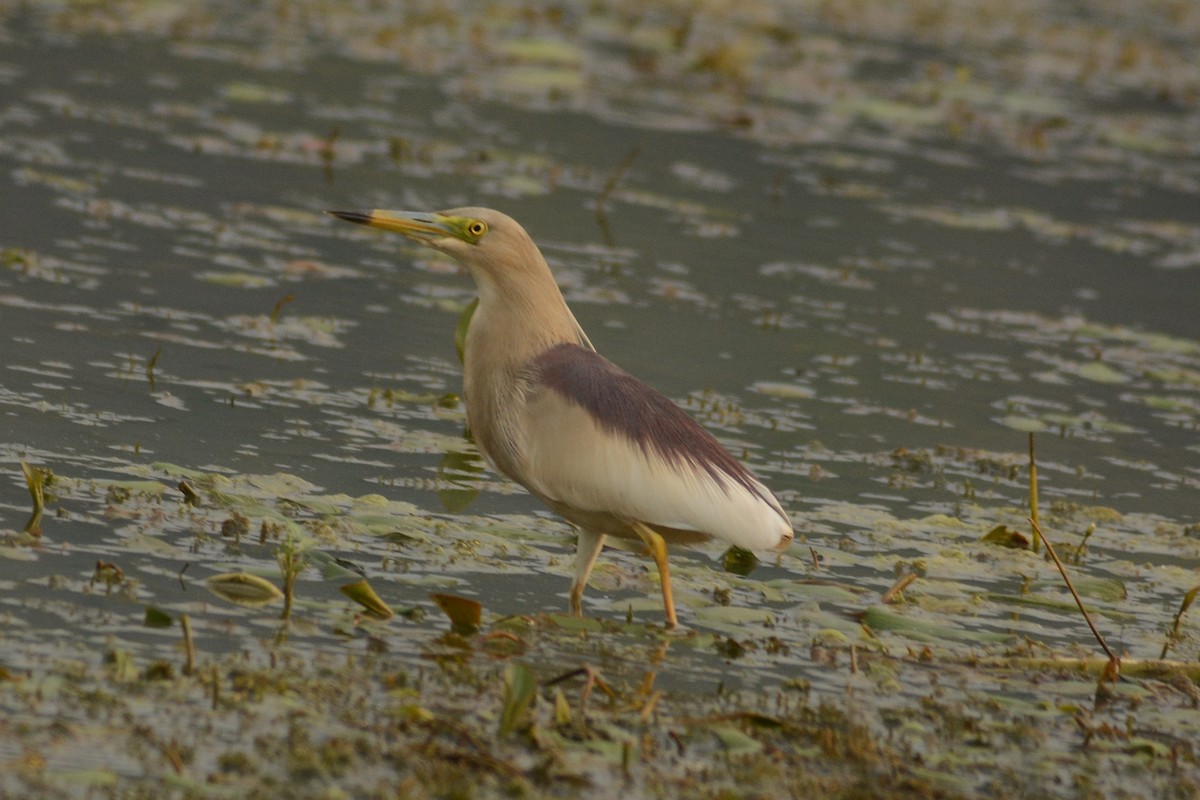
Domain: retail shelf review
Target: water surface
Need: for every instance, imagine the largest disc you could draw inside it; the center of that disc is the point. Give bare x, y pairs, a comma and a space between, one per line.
867, 255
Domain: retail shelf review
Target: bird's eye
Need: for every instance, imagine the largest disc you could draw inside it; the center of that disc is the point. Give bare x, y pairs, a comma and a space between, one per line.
477, 228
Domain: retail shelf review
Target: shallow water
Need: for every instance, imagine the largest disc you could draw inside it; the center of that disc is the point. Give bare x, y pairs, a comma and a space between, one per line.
871, 261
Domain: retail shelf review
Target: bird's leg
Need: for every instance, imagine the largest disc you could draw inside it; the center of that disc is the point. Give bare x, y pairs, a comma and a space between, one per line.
586, 553
658, 551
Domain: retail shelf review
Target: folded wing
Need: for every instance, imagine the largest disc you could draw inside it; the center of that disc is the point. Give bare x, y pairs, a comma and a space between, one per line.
604, 441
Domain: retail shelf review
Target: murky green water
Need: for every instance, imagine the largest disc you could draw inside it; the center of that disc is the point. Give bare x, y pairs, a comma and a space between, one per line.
871, 250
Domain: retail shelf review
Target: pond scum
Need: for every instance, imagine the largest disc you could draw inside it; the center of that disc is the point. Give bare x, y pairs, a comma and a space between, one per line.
459, 703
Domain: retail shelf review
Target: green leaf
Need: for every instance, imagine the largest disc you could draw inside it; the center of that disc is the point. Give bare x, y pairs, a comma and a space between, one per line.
1039, 593
460, 332
1100, 372
1024, 424
36, 479
465, 614
739, 561
244, 589
519, 691
157, 618
562, 709
1006, 537
879, 618
735, 615
735, 742
576, 624
331, 568
360, 591
1110, 589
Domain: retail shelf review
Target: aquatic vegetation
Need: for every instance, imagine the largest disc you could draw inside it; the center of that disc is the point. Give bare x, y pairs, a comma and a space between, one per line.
871, 246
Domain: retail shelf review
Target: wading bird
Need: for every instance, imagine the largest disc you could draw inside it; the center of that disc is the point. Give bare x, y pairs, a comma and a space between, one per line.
599, 447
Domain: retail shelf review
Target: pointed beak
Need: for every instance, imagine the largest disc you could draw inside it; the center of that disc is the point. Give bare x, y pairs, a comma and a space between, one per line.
421, 226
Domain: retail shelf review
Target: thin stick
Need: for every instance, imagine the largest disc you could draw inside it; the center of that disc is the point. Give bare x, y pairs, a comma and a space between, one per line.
1112, 657
609, 186
287, 298
1035, 545
615, 178
899, 586
150, 365
1173, 634
189, 645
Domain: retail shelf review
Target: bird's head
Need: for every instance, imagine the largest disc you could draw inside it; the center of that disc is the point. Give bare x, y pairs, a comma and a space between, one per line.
507, 266
490, 244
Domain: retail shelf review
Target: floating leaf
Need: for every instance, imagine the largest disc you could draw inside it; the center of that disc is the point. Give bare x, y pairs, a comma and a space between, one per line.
786, 391
1023, 424
20, 553
333, 568
538, 80
1006, 537
1052, 604
1109, 589
576, 624
157, 618
244, 589
361, 592
545, 51
736, 742
831, 637
735, 615
1100, 372
879, 618
235, 280
465, 614
247, 92
519, 691
1089, 420
821, 590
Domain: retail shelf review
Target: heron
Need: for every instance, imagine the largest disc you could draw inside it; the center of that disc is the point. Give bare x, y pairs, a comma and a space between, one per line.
599, 447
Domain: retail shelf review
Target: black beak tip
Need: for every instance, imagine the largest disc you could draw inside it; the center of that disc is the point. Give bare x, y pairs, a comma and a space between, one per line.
352, 216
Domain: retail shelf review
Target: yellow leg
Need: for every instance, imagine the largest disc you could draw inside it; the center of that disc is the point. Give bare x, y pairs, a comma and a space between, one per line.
658, 551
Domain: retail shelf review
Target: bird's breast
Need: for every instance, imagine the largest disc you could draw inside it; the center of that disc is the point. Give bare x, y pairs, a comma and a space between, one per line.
496, 400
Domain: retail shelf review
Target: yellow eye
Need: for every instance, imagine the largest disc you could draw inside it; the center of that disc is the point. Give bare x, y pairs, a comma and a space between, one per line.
477, 228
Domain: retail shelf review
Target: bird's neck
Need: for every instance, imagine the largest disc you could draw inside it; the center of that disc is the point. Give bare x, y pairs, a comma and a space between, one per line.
508, 330
518, 320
